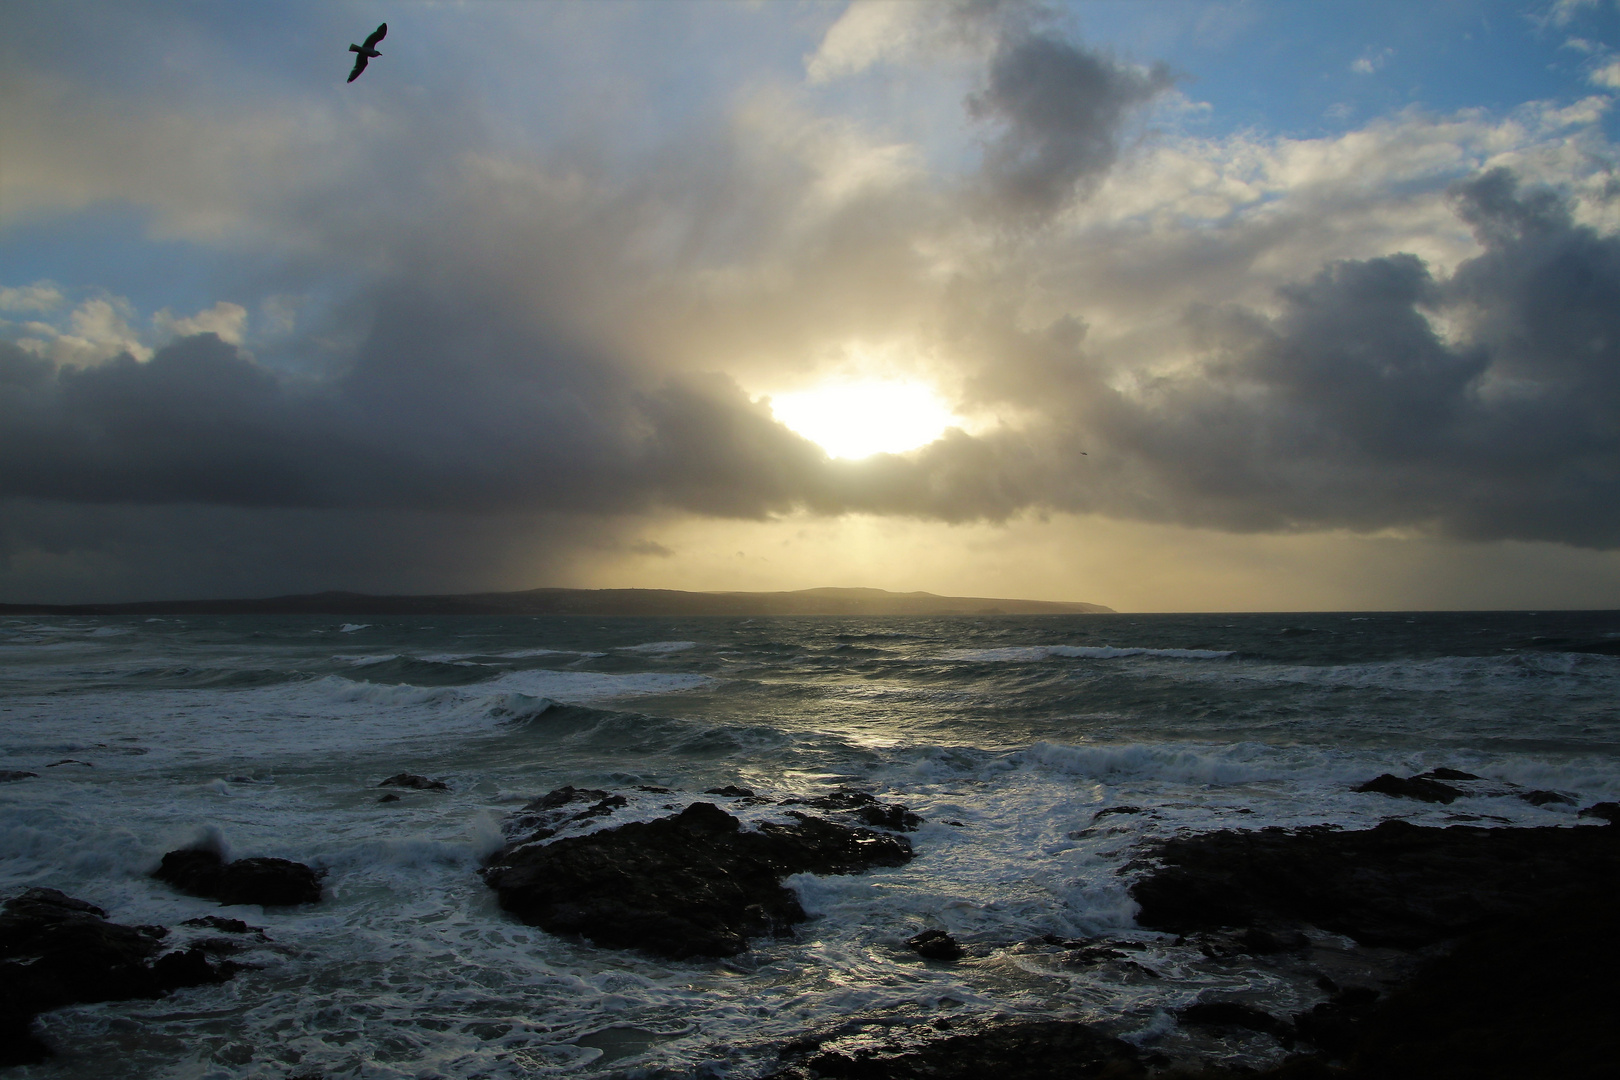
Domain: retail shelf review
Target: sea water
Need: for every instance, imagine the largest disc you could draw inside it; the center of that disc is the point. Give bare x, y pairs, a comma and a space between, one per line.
1010, 735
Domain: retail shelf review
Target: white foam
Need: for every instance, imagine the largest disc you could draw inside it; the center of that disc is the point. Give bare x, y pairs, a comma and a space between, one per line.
1034, 653
349, 627
658, 648
367, 661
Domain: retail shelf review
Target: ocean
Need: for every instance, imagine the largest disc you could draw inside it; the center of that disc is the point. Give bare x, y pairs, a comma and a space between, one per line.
1010, 735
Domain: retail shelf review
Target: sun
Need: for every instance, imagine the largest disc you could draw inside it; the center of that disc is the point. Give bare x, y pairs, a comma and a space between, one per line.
857, 419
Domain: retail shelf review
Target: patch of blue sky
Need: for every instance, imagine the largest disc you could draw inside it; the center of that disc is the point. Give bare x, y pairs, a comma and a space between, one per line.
1303, 69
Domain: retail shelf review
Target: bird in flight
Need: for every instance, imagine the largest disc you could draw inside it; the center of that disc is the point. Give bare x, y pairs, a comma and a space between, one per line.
364, 53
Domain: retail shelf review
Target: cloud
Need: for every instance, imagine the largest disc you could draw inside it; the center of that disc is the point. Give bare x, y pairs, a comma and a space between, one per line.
1564, 12
1608, 75
1371, 62
1060, 109
40, 296
542, 347
97, 330
224, 320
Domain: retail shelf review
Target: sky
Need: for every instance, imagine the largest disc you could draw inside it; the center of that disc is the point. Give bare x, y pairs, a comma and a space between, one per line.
1169, 306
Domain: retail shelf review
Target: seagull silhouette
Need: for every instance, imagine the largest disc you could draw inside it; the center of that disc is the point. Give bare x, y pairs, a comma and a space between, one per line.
364, 53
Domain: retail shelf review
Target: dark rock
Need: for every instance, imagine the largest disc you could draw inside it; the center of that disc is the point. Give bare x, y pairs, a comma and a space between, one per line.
1543, 798
863, 807
693, 884
731, 791
1233, 1014
227, 926
961, 1050
564, 795
1263, 942
1336, 1025
1445, 774
601, 809
390, 797
1398, 884
1532, 998
654, 789
1605, 811
8, 775
56, 950
893, 816
1412, 787
1255, 941
412, 780
270, 882
1099, 815
71, 761
934, 945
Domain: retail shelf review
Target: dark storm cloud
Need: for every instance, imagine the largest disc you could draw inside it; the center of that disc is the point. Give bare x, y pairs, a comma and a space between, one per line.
440, 413
1351, 408
1061, 109
1483, 405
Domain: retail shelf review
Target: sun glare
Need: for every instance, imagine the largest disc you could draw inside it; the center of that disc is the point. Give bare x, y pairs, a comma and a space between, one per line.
859, 419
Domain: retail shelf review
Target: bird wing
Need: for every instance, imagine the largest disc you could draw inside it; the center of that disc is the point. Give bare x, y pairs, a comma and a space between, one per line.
376, 36
359, 66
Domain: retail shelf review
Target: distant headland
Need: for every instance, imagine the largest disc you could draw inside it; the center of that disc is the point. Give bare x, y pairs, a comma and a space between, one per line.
828, 601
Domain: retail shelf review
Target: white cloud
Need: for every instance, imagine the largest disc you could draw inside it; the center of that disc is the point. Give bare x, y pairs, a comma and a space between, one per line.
867, 33
97, 331
225, 319
40, 296
1608, 75
1564, 12
1371, 62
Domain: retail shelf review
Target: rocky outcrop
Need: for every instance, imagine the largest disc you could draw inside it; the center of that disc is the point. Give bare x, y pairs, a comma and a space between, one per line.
864, 807
1422, 788
1397, 884
56, 950
1528, 930
270, 882
692, 884
946, 1049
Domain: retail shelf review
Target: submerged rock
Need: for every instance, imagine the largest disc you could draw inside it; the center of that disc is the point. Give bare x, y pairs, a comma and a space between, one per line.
1397, 884
270, 882
8, 775
412, 780
961, 1050
1603, 811
693, 884
1546, 798
1235, 1014
1411, 787
56, 950
934, 945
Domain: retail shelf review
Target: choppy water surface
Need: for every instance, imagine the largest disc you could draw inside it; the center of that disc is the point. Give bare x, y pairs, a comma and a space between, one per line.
1008, 734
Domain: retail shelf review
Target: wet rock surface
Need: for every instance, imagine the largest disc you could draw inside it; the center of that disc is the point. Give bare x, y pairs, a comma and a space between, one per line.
269, 882
934, 945
9, 775
692, 884
1518, 932
1398, 884
415, 782
864, 807
1424, 789
946, 1049
56, 950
